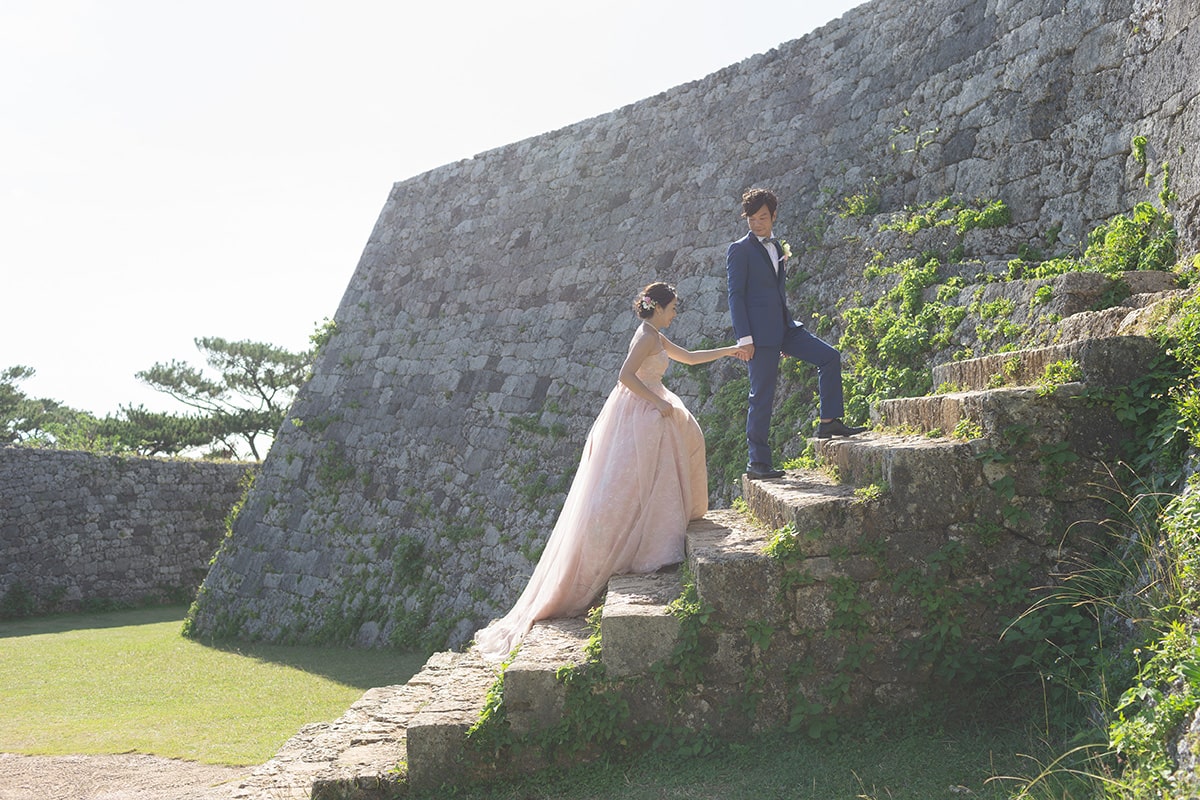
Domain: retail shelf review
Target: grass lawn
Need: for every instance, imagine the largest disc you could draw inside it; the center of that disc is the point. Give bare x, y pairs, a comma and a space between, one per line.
127, 681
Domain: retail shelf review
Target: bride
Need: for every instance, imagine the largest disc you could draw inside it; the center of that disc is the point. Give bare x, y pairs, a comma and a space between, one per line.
641, 479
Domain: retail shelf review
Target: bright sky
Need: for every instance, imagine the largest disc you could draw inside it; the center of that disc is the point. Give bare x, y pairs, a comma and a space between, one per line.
176, 170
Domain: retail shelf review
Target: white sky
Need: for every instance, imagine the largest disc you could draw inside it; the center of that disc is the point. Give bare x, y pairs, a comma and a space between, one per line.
174, 170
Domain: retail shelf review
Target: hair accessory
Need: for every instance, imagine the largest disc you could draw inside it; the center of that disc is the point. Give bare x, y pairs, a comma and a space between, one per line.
647, 303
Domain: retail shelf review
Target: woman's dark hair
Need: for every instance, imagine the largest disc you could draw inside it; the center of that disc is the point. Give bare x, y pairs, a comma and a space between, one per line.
655, 295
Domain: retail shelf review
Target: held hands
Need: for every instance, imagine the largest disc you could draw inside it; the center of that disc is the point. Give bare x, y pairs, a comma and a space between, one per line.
745, 352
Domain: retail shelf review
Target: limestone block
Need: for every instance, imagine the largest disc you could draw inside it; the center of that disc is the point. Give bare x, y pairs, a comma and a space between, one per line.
533, 696
822, 512
637, 629
436, 733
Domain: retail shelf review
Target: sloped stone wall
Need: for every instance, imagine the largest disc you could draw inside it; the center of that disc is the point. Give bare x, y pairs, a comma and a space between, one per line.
80, 530
408, 496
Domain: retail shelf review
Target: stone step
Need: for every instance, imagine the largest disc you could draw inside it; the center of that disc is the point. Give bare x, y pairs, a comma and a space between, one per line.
1076, 293
1018, 420
941, 414
1105, 362
358, 755
1135, 316
896, 460
437, 733
805, 498
925, 479
636, 626
533, 696
991, 411
726, 555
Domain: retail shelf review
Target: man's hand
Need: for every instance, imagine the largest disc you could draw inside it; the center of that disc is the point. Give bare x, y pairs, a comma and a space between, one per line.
748, 349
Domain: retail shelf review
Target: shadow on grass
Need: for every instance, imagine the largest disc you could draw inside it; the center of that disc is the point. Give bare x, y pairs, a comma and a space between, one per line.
89, 620
357, 667
351, 666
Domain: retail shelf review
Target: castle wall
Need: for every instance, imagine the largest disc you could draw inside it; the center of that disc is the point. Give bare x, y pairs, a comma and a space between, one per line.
79, 530
407, 499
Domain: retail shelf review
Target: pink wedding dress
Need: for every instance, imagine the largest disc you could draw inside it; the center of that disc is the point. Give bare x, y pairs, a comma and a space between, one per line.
641, 478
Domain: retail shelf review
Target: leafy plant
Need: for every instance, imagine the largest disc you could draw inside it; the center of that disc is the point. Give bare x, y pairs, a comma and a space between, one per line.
1139, 149
1145, 239
684, 667
889, 343
1057, 373
871, 492
967, 430
862, 203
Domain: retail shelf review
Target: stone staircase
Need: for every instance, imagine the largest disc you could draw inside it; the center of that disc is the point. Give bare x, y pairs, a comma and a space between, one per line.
853, 585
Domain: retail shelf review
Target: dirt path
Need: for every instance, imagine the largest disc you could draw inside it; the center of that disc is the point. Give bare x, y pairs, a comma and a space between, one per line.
125, 777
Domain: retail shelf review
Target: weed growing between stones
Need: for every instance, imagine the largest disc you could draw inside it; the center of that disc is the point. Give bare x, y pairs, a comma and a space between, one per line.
527, 434
1144, 240
871, 492
961, 217
594, 713
491, 733
888, 345
684, 667
1056, 374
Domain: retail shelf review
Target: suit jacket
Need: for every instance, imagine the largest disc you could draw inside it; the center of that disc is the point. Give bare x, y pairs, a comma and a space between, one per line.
757, 298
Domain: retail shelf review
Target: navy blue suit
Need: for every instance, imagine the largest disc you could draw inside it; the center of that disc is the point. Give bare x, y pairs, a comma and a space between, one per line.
758, 306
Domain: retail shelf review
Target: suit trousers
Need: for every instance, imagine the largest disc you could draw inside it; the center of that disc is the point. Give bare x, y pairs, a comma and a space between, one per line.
764, 375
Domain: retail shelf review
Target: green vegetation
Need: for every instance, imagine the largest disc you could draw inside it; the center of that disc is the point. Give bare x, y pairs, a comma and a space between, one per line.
127, 681
248, 400
1146, 239
862, 203
1057, 373
949, 213
592, 713
528, 439
888, 344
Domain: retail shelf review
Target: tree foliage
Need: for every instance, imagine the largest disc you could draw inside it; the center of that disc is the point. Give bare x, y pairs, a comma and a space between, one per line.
33, 421
41, 422
246, 401
239, 401
153, 433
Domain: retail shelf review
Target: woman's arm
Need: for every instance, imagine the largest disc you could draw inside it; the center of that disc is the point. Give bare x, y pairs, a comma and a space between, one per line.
646, 345
684, 356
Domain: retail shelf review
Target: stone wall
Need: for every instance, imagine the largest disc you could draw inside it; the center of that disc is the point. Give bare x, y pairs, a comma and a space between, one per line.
407, 499
79, 530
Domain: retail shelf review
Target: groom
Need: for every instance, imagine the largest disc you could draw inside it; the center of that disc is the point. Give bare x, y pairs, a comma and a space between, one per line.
756, 270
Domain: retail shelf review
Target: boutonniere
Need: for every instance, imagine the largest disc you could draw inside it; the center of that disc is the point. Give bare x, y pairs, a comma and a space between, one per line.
785, 249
